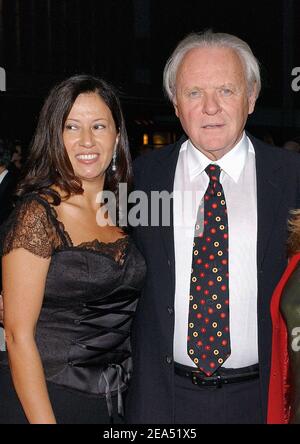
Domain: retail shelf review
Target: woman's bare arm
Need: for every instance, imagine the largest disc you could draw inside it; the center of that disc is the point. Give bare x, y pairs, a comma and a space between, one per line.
24, 276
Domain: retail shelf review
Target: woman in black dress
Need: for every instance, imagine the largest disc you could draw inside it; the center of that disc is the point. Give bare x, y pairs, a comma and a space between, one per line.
71, 283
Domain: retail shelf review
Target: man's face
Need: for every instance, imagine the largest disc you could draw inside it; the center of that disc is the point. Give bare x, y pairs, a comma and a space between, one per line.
212, 100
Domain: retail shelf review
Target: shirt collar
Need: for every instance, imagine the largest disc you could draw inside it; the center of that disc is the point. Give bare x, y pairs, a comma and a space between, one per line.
3, 174
232, 163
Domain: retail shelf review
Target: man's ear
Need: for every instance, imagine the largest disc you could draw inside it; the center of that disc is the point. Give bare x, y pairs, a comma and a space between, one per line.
175, 107
252, 99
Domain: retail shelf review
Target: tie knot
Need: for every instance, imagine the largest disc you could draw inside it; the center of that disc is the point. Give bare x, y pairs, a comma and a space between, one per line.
213, 172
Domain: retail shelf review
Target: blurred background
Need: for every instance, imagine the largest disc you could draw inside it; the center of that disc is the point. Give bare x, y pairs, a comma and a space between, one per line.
127, 42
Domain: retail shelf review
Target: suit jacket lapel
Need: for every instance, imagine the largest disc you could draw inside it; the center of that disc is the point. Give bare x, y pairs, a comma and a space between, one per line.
166, 171
3, 186
270, 183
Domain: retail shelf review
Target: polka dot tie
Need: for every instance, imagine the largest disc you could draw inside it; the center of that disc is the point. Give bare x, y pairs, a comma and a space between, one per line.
208, 343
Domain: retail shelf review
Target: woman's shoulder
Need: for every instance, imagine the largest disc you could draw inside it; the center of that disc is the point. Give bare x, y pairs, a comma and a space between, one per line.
29, 208
31, 225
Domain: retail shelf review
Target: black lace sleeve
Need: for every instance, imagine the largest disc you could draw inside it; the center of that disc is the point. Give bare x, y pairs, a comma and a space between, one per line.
29, 226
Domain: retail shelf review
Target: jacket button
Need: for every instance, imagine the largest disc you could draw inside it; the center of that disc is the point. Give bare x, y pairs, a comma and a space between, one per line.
169, 263
170, 310
169, 360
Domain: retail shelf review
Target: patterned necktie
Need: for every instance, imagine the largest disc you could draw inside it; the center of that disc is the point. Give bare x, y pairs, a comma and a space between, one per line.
208, 342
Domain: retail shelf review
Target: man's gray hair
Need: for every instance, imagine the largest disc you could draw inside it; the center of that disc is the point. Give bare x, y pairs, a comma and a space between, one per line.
212, 39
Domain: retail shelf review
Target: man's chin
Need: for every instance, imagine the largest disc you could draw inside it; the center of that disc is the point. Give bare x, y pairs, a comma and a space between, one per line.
214, 151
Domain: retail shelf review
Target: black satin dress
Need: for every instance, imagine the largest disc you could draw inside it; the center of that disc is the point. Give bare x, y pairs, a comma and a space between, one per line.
83, 332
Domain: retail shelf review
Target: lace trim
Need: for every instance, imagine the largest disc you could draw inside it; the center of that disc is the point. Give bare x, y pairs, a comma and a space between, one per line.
29, 227
116, 249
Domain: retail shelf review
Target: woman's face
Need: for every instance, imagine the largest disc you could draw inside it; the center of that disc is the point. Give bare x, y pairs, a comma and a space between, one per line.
90, 137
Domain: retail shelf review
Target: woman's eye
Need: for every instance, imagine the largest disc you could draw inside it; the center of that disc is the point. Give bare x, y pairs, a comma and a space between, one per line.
70, 126
98, 126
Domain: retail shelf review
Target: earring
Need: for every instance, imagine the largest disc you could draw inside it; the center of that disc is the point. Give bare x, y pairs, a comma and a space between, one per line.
113, 165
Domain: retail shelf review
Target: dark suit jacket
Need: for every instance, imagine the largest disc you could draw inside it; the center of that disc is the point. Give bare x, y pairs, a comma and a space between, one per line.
151, 395
7, 187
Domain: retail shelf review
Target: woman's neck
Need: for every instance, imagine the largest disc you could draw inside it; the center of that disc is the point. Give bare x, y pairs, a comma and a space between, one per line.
90, 197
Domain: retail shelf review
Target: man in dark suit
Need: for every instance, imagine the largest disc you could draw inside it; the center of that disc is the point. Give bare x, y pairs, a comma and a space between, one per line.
202, 336
8, 180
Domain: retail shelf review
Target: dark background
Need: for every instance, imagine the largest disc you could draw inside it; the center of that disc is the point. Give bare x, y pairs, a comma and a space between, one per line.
127, 42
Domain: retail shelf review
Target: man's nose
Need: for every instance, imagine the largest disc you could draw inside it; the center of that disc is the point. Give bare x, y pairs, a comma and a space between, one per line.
211, 104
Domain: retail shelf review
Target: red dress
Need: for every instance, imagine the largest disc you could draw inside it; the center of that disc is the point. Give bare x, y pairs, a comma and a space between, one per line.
278, 404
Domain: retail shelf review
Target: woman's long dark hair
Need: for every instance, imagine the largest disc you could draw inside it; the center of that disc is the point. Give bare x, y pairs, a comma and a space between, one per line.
48, 162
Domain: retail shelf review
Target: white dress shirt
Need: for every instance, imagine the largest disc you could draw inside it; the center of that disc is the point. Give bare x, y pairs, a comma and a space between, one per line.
238, 178
3, 174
